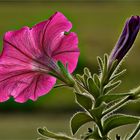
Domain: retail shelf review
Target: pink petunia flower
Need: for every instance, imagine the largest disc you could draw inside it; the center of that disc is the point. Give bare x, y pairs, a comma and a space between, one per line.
30, 53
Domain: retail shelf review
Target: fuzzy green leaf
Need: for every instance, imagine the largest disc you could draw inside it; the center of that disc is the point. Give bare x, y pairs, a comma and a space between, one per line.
105, 64
100, 63
108, 88
84, 101
117, 75
87, 72
96, 79
93, 88
111, 97
45, 132
78, 120
104, 74
118, 120
97, 111
113, 69
85, 77
80, 78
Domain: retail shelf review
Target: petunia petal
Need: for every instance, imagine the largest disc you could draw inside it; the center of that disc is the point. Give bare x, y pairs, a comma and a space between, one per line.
45, 35
13, 59
12, 83
18, 78
23, 41
44, 85
28, 55
68, 51
53, 32
24, 85
40, 85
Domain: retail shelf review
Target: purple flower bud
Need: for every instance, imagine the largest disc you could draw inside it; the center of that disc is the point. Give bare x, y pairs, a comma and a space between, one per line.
126, 39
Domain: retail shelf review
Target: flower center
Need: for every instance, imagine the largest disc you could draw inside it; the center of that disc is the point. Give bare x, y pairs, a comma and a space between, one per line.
44, 64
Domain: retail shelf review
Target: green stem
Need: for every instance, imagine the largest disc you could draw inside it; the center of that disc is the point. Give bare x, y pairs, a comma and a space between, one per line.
116, 106
135, 132
100, 126
104, 136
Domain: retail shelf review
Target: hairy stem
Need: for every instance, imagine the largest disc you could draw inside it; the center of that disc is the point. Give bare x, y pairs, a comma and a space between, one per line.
100, 127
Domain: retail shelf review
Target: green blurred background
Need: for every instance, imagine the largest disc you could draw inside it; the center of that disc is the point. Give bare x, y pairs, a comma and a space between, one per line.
98, 25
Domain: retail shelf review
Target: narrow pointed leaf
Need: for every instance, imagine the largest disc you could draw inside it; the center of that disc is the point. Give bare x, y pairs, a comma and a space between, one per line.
111, 87
93, 88
100, 63
78, 120
104, 74
87, 72
80, 78
111, 97
84, 101
117, 75
105, 64
97, 111
85, 80
45, 132
118, 120
113, 68
96, 79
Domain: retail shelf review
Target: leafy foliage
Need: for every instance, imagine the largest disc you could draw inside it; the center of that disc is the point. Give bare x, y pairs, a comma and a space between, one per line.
47, 134
84, 100
92, 134
93, 88
97, 111
111, 97
111, 86
93, 93
118, 120
78, 120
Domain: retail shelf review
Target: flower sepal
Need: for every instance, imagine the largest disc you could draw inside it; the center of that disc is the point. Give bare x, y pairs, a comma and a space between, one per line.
68, 79
63, 74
